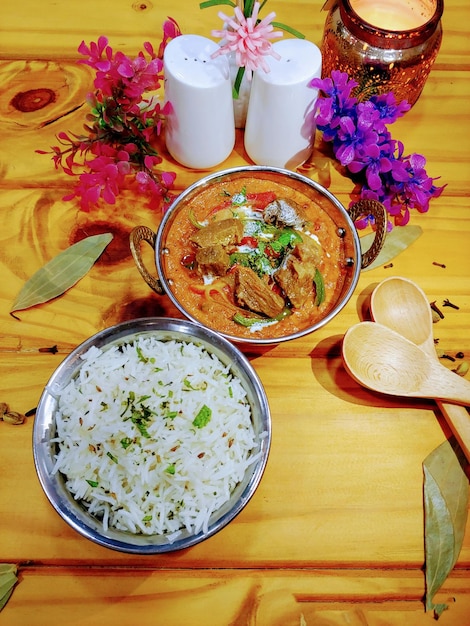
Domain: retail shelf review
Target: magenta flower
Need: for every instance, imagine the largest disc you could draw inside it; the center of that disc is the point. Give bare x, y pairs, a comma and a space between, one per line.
248, 38
117, 153
170, 31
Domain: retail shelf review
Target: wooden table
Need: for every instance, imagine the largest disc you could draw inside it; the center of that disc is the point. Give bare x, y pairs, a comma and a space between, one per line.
335, 531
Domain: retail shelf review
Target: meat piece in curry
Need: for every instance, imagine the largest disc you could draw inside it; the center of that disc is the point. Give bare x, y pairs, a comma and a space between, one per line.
281, 212
221, 232
296, 280
296, 276
212, 260
254, 294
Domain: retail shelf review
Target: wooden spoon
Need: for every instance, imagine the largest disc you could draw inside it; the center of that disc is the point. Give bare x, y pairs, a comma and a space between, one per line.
403, 306
385, 361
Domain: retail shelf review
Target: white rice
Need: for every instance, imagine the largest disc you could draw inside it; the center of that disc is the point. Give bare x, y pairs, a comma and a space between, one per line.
153, 471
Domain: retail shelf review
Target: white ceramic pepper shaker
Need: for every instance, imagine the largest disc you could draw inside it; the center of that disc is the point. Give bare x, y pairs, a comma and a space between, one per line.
200, 129
280, 128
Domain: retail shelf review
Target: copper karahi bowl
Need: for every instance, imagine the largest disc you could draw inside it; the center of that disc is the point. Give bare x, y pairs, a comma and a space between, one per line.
260, 255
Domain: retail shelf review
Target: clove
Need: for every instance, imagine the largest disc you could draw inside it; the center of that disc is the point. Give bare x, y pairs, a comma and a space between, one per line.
438, 264
443, 355
436, 309
447, 302
52, 349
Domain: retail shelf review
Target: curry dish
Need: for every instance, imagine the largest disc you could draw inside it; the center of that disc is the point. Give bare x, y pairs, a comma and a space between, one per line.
254, 258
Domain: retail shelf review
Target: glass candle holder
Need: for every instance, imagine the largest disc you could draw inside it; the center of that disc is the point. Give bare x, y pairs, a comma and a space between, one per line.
384, 45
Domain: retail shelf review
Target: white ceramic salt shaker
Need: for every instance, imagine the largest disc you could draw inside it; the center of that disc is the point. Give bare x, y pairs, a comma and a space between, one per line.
200, 129
280, 128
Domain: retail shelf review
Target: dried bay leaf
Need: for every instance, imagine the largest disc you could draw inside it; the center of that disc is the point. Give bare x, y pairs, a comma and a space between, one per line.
396, 241
61, 272
446, 494
8, 580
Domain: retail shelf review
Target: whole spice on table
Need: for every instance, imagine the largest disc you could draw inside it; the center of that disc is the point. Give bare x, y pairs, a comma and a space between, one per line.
10, 417
450, 304
436, 310
60, 273
462, 368
446, 494
8, 580
52, 349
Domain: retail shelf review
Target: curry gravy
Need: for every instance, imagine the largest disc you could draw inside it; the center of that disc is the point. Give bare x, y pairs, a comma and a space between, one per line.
215, 311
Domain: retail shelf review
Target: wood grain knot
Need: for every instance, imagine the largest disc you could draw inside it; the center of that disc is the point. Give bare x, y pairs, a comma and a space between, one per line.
117, 251
142, 6
33, 99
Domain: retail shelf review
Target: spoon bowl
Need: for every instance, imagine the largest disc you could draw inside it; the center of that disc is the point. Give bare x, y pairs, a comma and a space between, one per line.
401, 305
385, 361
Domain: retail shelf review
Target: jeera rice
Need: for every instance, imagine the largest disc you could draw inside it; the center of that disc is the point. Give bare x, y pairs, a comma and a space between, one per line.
153, 436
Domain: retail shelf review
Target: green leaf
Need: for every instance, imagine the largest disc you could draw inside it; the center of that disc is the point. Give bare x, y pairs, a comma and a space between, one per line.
446, 493
397, 240
203, 417
288, 29
215, 3
8, 580
61, 272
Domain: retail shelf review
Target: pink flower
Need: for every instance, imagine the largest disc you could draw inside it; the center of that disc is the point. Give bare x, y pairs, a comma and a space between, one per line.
117, 152
170, 31
249, 40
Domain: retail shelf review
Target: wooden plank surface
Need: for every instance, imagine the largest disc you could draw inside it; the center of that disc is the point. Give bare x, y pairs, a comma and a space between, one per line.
335, 530
154, 597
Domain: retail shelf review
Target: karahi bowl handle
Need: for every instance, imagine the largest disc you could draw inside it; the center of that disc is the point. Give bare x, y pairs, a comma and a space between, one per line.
377, 209
136, 237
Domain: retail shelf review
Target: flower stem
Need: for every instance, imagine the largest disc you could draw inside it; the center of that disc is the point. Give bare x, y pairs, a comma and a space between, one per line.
238, 82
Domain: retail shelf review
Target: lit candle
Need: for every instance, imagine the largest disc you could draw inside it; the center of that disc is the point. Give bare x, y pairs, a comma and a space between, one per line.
280, 128
200, 129
384, 45
396, 16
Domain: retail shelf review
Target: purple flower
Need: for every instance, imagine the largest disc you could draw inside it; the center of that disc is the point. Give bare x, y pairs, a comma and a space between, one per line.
338, 90
387, 107
363, 144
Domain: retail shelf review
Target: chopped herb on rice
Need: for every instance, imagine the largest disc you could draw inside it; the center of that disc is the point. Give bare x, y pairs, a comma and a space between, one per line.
153, 436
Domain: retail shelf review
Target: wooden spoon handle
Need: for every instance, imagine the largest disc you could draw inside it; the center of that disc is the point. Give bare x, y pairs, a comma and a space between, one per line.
458, 420
443, 385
